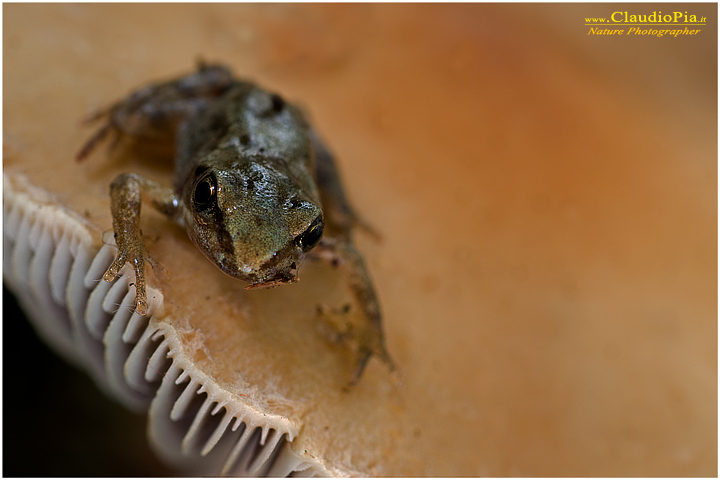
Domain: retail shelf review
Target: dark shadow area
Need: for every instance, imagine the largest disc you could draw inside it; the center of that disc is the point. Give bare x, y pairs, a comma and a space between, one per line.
56, 422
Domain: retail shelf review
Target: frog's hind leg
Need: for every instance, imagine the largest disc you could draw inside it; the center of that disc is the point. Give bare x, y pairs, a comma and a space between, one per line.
337, 248
156, 111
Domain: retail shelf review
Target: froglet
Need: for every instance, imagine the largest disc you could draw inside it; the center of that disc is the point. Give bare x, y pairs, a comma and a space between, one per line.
254, 188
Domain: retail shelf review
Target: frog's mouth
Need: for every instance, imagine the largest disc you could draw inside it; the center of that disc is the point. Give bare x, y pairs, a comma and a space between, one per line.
271, 274
284, 280
279, 268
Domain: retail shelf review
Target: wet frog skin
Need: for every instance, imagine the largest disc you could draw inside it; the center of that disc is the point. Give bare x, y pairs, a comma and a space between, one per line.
255, 189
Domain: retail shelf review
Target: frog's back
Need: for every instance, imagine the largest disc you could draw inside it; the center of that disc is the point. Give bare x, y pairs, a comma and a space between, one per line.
251, 125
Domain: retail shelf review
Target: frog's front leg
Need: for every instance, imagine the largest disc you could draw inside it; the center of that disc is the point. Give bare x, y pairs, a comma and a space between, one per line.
370, 337
126, 193
336, 247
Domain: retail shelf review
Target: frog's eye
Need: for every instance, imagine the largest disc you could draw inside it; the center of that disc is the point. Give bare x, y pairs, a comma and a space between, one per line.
205, 193
277, 103
310, 237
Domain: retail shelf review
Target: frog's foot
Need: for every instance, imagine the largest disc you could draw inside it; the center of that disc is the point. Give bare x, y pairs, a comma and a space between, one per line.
370, 343
106, 128
368, 340
134, 255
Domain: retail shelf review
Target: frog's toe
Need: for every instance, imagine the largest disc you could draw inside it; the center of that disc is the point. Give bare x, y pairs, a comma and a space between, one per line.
158, 267
370, 344
362, 361
141, 305
90, 145
383, 355
109, 275
114, 269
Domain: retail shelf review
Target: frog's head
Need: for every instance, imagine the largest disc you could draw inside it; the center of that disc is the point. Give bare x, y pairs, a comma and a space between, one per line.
253, 221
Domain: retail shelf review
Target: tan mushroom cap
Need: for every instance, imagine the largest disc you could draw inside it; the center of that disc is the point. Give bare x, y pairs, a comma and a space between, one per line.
548, 266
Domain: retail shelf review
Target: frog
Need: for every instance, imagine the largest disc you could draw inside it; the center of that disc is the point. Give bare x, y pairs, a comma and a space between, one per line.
255, 188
